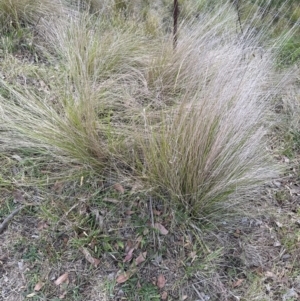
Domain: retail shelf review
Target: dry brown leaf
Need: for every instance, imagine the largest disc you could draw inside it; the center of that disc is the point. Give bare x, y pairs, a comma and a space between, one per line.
164, 295
110, 200
141, 258
269, 274
161, 228
38, 286
129, 255
193, 254
138, 241
237, 233
93, 261
118, 187
238, 283
63, 278
42, 225
123, 277
156, 212
161, 281
129, 245
18, 196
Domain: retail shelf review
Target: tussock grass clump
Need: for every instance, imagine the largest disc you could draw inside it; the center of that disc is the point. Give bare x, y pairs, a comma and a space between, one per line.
94, 94
213, 143
190, 122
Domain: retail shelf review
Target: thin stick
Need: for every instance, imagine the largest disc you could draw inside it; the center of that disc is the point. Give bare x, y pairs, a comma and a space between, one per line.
152, 218
198, 293
10, 217
175, 20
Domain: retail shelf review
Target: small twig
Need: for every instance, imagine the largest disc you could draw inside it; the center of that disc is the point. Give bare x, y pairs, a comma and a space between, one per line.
175, 21
6, 221
152, 218
198, 293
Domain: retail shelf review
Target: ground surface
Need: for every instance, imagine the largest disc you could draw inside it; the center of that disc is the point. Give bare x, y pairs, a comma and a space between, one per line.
94, 232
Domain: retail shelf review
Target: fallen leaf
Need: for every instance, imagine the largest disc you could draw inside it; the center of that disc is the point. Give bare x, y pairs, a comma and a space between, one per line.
31, 295
237, 233
164, 295
277, 243
110, 200
184, 297
18, 196
129, 245
156, 212
118, 187
238, 283
286, 159
138, 242
94, 261
141, 258
161, 281
279, 224
42, 225
269, 274
193, 255
63, 278
17, 157
38, 286
161, 228
129, 255
123, 277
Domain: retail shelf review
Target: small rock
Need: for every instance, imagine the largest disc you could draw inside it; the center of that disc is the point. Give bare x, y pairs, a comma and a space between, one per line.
277, 243
277, 184
289, 295
245, 221
285, 257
